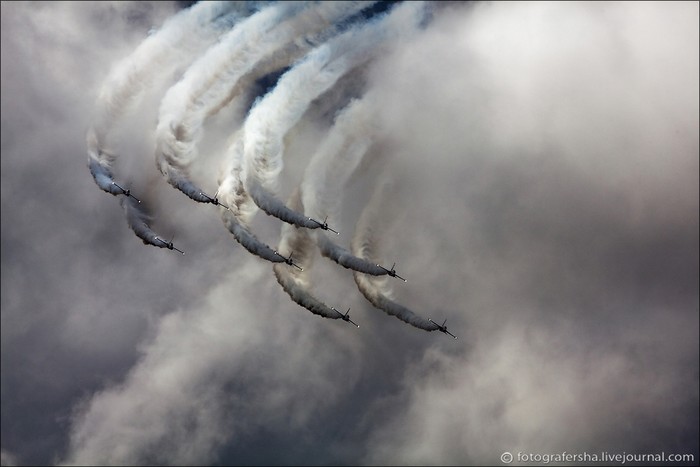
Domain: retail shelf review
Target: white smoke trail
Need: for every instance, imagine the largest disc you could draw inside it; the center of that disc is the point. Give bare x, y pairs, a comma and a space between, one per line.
249, 241
345, 258
207, 85
376, 290
186, 104
231, 188
337, 158
139, 222
171, 47
300, 296
294, 281
235, 197
328, 172
281, 109
101, 170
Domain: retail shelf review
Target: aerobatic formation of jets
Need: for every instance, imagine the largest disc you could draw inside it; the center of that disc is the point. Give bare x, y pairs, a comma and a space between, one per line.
199, 95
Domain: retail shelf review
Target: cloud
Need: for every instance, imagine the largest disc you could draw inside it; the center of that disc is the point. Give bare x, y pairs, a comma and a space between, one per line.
576, 263
213, 374
544, 160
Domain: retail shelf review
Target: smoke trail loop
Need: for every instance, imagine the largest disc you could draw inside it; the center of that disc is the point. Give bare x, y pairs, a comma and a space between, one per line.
281, 109
375, 290
292, 280
157, 56
249, 241
209, 83
328, 172
139, 222
236, 219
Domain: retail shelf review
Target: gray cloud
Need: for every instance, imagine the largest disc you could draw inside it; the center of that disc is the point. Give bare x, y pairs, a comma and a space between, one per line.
544, 159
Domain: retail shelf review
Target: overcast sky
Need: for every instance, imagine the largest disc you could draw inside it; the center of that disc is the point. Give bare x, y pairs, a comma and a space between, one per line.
542, 161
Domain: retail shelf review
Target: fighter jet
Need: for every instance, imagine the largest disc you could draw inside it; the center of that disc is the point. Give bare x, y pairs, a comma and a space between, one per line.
442, 328
126, 192
169, 245
392, 272
289, 260
346, 316
324, 226
215, 200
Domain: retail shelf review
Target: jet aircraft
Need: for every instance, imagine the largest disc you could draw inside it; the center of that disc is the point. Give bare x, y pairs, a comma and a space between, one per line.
169, 245
215, 200
442, 328
392, 272
126, 192
324, 225
346, 316
289, 260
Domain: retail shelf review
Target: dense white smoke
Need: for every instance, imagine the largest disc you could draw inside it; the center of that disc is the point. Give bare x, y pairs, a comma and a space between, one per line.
530, 166
272, 117
208, 83
364, 245
170, 48
329, 171
295, 279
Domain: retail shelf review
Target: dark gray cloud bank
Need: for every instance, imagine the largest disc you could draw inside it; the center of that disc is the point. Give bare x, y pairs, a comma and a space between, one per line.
542, 171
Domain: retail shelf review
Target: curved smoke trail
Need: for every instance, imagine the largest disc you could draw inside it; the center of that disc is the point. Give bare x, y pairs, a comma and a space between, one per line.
282, 108
170, 48
208, 84
233, 195
328, 172
248, 240
345, 258
159, 54
375, 290
185, 105
298, 241
232, 189
138, 221
101, 170
269, 39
